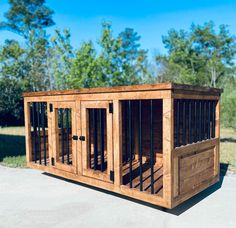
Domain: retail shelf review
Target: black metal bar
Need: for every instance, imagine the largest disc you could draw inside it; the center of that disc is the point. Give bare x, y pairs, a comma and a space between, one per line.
200, 122
213, 118
90, 136
140, 147
39, 137
126, 131
67, 136
177, 124
184, 123
44, 132
95, 142
151, 147
34, 131
101, 123
189, 122
62, 134
204, 120
195, 121
209, 120
130, 144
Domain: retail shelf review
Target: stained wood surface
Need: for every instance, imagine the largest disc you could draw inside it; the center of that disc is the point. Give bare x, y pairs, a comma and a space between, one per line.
132, 88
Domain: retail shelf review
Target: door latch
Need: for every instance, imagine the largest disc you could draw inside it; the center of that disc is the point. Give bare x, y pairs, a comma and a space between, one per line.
82, 138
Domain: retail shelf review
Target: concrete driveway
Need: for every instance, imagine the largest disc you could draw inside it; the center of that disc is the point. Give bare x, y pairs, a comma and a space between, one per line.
29, 198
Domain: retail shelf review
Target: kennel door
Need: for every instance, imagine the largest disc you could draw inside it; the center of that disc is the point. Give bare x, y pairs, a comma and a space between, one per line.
96, 128
63, 133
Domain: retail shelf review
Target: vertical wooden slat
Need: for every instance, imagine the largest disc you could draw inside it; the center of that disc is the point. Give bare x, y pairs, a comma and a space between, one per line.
217, 135
28, 139
168, 146
117, 138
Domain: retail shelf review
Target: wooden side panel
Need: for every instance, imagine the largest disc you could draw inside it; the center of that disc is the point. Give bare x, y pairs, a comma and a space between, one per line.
194, 169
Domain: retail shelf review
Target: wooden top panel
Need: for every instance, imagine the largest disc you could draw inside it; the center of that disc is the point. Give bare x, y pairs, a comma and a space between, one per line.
132, 88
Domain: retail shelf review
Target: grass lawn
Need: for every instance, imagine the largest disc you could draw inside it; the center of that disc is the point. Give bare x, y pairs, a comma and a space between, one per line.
12, 147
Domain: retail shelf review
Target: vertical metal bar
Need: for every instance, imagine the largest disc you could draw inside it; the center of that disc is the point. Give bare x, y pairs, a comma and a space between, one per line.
189, 122
34, 131
126, 132
39, 137
200, 122
101, 125
184, 123
90, 136
140, 147
44, 133
62, 134
151, 146
177, 124
95, 142
209, 121
195, 121
130, 144
204, 120
213, 118
67, 136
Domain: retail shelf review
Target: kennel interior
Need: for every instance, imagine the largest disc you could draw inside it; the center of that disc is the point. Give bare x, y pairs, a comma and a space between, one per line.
156, 143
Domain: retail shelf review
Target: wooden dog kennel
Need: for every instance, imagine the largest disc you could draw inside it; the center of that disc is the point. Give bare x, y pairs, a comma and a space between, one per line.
157, 143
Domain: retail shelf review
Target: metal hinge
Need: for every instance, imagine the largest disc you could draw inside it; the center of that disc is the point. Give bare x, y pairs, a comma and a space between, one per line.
112, 175
52, 161
51, 107
110, 107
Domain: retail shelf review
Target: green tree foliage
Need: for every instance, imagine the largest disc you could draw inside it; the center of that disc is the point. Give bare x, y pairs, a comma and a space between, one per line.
11, 102
201, 56
120, 61
61, 54
228, 104
27, 15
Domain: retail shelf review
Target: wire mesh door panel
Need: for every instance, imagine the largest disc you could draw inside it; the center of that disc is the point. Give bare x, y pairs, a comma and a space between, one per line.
64, 130
97, 146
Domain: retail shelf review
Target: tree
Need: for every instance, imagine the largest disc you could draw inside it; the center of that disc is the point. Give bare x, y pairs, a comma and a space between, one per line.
11, 102
200, 56
84, 71
133, 59
27, 15
61, 55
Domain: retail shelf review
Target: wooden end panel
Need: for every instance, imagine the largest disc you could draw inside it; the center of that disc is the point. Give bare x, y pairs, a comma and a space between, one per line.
195, 169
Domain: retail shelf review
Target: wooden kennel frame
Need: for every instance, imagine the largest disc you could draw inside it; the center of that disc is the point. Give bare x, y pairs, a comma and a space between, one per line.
156, 143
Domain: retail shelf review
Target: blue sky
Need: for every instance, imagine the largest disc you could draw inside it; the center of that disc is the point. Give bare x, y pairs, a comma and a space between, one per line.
150, 18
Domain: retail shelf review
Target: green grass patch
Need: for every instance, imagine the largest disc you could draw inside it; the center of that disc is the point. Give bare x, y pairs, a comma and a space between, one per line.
12, 146
228, 147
